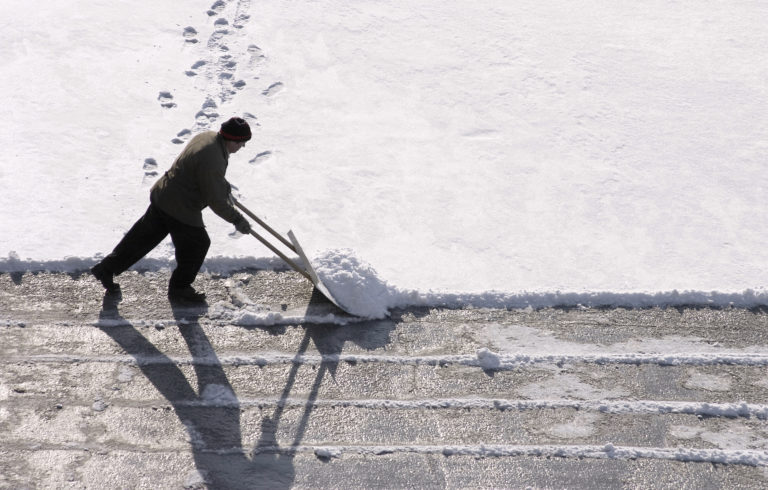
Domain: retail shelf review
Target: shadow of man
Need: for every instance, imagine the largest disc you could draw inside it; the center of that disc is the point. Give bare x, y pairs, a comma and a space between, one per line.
210, 414
329, 340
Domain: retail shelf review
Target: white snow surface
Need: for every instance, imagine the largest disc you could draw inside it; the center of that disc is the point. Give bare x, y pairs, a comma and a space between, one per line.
496, 153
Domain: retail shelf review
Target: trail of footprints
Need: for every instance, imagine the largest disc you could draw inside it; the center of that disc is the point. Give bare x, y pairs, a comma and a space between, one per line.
219, 69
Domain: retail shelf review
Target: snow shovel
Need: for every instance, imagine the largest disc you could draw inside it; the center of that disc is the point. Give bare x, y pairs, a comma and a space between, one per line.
293, 245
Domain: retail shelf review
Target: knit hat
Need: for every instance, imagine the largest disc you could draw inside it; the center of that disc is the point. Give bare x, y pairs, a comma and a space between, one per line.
236, 129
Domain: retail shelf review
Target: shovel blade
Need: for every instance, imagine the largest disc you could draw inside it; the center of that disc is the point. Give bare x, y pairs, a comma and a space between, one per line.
313, 275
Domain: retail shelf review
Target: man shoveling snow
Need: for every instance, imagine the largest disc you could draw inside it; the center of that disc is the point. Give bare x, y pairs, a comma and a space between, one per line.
196, 180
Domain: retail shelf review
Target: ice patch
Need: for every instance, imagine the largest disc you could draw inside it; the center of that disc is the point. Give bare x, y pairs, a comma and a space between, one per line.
732, 436
567, 386
707, 382
582, 426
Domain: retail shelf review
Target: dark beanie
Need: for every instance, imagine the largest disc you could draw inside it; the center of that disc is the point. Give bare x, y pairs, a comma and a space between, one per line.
236, 129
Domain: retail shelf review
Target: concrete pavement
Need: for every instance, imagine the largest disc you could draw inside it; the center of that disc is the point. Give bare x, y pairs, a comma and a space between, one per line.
98, 391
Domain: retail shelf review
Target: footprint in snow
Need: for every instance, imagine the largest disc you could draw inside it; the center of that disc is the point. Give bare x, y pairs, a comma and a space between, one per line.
150, 164
198, 64
181, 137
241, 20
166, 100
150, 170
207, 114
217, 7
217, 36
227, 62
206, 117
261, 158
274, 89
256, 53
220, 30
190, 34
228, 66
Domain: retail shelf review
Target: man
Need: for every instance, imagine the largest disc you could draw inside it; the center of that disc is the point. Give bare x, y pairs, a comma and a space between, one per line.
194, 181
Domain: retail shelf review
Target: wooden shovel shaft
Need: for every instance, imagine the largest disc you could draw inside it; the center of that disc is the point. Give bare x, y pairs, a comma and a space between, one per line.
288, 261
264, 225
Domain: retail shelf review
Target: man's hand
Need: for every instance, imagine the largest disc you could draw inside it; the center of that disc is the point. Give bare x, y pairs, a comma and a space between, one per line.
243, 226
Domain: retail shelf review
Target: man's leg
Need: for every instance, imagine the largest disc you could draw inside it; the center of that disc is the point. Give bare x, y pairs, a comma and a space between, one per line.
143, 236
191, 244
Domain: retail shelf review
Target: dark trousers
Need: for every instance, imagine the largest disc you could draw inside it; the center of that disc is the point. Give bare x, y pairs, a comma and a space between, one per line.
191, 244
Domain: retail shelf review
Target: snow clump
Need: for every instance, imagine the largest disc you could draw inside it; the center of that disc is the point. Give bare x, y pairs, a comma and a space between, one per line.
355, 284
488, 359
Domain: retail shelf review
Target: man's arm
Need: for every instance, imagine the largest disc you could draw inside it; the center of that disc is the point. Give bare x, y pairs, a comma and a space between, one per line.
216, 191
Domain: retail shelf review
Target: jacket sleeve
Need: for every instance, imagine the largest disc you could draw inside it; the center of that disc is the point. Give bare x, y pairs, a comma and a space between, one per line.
216, 189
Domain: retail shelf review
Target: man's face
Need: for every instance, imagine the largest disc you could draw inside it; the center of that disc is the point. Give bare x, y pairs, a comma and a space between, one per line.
234, 146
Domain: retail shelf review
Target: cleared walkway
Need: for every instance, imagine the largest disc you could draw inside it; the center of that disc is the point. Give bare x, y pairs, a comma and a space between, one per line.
129, 392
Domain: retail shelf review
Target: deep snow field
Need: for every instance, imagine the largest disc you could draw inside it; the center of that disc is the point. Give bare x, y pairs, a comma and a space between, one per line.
499, 154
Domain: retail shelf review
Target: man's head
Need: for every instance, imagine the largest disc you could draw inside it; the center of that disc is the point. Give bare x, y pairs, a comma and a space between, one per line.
236, 133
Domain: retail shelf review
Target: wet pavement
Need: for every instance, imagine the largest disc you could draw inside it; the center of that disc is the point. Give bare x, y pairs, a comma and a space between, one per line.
129, 391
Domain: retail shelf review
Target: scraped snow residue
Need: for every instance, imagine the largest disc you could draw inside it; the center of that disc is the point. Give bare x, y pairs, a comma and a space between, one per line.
256, 315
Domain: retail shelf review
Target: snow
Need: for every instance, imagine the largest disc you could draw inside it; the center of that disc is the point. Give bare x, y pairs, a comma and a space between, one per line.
355, 283
488, 359
525, 153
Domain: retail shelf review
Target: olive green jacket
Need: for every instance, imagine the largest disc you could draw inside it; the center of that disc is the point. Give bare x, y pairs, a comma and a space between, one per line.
196, 181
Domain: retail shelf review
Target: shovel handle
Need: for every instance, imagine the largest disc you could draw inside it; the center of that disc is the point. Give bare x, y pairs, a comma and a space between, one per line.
264, 225
288, 261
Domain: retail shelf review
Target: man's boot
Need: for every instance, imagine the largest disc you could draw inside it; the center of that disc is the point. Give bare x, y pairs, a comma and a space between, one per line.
185, 295
105, 277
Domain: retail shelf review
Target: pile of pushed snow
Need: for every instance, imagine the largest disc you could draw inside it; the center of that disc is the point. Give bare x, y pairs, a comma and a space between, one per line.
355, 284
